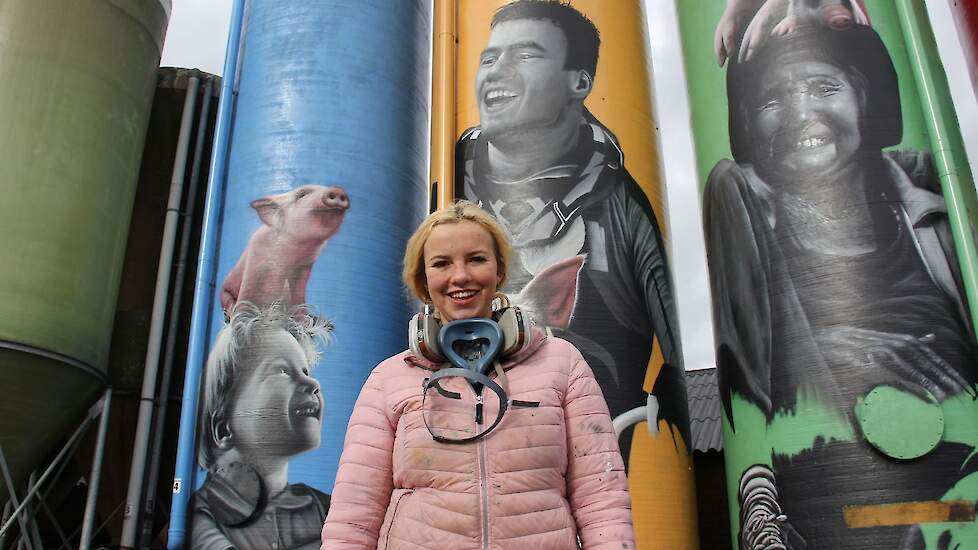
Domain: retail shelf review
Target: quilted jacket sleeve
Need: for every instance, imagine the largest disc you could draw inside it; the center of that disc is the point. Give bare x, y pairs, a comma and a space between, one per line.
364, 480
596, 483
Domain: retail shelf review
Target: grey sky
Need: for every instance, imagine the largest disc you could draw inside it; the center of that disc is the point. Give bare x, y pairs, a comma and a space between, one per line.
197, 35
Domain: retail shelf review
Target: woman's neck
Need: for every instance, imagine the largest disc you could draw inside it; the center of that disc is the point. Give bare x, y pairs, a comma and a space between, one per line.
832, 216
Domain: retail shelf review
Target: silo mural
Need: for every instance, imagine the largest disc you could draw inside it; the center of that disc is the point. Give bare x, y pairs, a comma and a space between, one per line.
845, 347
555, 138
325, 181
966, 19
76, 87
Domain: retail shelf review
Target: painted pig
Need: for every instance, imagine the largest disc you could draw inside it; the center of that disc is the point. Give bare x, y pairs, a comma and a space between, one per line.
276, 263
760, 18
549, 298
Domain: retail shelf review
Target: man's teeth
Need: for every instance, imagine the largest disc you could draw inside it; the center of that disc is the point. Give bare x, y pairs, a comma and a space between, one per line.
306, 410
499, 94
462, 294
810, 142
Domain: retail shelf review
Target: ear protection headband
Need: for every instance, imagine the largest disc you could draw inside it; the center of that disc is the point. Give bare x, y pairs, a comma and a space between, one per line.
424, 328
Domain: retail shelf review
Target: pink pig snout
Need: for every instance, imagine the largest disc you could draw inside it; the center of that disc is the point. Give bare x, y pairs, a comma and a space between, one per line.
335, 198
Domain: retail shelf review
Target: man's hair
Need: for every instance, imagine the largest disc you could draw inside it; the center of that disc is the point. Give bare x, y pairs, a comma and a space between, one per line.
583, 39
236, 343
462, 211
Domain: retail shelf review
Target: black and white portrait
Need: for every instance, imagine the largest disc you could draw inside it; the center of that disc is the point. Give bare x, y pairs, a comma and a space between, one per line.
833, 276
555, 177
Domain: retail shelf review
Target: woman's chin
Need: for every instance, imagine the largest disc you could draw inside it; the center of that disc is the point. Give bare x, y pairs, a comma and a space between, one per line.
454, 313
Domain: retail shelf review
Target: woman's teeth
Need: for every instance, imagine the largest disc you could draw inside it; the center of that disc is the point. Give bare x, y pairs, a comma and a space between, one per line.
809, 143
462, 294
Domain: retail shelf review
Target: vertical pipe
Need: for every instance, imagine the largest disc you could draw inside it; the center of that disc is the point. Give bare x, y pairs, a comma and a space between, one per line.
948, 166
183, 476
144, 422
443, 102
186, 232
959, 56
95, 477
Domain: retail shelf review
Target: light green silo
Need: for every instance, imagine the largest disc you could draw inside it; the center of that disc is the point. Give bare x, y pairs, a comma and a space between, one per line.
76, 84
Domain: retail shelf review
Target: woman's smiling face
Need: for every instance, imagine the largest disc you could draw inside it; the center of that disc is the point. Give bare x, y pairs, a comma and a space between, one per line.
805, 121
461, 270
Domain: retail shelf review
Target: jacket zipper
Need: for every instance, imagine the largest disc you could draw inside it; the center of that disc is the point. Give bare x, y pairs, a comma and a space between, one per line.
483, 477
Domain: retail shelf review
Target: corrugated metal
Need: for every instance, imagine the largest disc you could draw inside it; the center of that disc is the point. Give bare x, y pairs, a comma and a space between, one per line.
705, 426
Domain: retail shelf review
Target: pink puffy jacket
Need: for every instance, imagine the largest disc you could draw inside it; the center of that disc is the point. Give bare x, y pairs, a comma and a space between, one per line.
548, 474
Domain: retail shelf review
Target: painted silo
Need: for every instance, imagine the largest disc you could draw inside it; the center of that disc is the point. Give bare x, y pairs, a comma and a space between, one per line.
966, 21
325, 181
833, 177
76, 85
571, 169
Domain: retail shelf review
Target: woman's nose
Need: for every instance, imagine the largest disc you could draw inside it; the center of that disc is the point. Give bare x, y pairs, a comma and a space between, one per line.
801, 106
460, 273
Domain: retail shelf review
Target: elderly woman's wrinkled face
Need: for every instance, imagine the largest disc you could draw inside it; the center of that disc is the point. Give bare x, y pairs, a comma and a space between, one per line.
805, 120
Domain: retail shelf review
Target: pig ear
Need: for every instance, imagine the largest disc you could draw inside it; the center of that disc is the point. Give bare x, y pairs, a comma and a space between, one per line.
551, 295
268, 210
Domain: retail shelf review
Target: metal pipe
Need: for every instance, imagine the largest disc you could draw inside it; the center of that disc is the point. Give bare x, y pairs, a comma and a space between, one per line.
24, 540
7, 508
954, 49
95, 476
183, 477
944, 158
186, 233
30, 513
70, 445
443, 103
144, 422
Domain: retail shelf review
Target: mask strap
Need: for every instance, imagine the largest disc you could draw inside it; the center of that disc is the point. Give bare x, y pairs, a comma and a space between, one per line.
501, 376
471, 376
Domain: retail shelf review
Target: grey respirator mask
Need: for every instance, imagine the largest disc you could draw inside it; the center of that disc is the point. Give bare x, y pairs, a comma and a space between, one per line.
474, 348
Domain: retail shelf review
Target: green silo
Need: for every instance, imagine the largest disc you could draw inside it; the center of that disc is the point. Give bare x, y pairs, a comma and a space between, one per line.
76, 85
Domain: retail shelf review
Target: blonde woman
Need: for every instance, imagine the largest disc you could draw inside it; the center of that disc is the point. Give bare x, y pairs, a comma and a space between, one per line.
550, 476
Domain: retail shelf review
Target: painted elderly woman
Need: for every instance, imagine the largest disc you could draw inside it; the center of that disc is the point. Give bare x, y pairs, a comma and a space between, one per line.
832, 265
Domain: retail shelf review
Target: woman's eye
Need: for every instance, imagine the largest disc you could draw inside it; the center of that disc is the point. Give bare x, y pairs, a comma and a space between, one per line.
478, 259
828, 89
439, 264
770, 106
487, 61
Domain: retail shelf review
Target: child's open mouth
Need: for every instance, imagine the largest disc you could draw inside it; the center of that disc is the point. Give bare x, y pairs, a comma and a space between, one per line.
310, 409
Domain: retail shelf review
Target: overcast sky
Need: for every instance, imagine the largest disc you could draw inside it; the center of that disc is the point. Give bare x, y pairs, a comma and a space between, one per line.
197, 36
